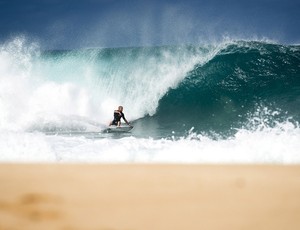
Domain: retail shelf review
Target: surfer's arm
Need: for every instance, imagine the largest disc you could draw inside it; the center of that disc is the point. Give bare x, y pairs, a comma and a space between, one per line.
126, 120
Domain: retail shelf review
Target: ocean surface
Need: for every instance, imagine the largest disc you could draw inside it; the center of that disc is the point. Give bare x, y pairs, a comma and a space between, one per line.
233, 102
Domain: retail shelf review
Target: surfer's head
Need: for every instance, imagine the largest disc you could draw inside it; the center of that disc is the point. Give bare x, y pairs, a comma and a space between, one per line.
120, 108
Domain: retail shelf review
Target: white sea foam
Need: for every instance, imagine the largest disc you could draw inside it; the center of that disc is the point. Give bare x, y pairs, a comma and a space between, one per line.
278, 145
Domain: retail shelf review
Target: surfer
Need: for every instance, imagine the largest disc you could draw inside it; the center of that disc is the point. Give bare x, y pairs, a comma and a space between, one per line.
118, 114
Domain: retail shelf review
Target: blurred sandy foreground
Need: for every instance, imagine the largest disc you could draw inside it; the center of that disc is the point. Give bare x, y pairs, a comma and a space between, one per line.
149, 197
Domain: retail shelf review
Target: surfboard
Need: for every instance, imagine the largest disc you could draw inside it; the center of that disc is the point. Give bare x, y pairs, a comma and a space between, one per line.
117, 129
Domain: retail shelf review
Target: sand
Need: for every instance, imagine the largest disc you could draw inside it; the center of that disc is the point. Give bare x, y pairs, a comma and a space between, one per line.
149, 197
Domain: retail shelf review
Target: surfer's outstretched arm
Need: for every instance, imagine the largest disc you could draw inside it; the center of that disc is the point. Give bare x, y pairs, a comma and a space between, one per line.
126, 121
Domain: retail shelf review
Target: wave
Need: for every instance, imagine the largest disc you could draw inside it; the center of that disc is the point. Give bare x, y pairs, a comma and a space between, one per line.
235, 102
242, 80
211, 88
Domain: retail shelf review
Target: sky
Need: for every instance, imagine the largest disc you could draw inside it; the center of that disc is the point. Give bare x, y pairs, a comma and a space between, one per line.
68, 24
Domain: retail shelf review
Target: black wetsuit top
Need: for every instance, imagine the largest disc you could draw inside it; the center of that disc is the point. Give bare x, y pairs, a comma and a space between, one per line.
117, 117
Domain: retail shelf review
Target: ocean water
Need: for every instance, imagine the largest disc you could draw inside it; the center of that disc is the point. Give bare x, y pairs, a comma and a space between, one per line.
233, 102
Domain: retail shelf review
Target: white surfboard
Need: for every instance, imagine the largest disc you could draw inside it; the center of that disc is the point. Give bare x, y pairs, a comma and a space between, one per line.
117, 129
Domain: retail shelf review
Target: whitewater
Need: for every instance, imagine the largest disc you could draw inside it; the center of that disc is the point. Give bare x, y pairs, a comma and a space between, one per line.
232, 102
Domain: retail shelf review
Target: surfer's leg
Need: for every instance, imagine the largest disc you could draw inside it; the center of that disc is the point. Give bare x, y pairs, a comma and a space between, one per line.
113, 123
